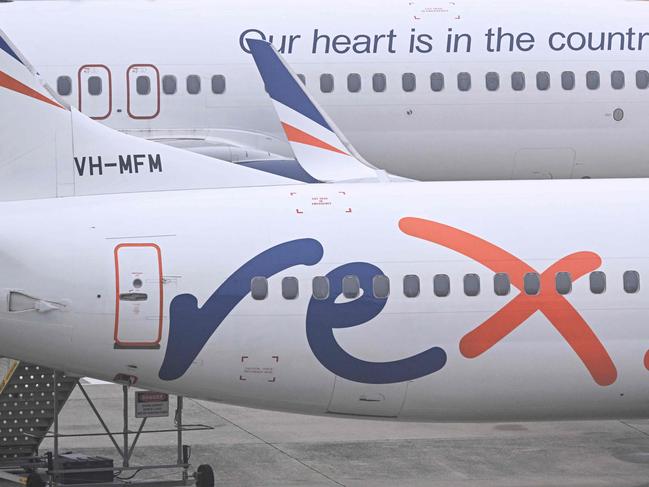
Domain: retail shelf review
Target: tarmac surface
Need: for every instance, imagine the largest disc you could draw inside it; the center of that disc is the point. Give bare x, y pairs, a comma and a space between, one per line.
250, 448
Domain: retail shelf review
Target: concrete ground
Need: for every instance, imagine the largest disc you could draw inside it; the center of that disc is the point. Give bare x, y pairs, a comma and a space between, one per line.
258, 448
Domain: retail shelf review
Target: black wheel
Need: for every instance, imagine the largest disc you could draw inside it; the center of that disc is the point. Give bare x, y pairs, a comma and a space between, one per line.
205, 476
35, 480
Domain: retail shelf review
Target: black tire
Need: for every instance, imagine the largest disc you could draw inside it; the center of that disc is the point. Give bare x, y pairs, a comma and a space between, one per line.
205, 476
35, 480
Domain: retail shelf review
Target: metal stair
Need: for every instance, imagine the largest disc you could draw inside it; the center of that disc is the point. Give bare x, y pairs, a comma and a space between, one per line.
27, 407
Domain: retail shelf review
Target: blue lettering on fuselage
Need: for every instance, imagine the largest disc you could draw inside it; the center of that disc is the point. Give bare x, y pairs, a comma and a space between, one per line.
190, 327
324, 316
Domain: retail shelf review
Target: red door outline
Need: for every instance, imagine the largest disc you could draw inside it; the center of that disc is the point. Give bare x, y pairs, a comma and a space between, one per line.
118, 342
128, 91
110, 89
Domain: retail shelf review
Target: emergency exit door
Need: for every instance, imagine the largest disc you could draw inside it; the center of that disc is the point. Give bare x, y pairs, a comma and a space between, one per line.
143, 91
139, 296
95, 88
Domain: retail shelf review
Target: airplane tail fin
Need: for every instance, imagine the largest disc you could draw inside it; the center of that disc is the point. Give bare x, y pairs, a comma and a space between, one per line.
34, 128
319, 146
17, 74
49, 150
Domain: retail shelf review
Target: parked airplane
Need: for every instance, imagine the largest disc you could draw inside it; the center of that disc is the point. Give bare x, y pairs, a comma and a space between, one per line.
427, 89
64, 153
427, 301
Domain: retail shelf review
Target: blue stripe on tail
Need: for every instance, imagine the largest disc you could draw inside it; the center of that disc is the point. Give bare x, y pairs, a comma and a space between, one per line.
5, 47
280, 84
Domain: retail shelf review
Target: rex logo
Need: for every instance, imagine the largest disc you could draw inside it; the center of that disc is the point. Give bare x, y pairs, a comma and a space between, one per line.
191, 326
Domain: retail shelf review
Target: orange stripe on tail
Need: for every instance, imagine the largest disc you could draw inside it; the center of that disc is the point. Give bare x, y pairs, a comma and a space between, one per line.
296, 135
12, 84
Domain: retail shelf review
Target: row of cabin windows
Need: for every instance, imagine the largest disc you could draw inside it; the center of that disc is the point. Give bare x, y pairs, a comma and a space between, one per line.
351, 287
492, 80
517, 80
143, 85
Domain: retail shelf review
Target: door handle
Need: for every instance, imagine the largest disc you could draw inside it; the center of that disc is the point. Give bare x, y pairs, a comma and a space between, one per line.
133, 297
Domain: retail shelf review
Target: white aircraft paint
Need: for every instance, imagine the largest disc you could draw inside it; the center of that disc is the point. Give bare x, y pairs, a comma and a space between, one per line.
446, 135
190, 292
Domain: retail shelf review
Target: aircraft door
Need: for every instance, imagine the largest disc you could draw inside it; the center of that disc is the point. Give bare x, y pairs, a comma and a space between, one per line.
143, 91
95, 87
139, 296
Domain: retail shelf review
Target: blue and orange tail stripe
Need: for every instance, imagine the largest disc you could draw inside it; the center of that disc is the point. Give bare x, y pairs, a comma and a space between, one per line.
317, 144
10, 83
281, 85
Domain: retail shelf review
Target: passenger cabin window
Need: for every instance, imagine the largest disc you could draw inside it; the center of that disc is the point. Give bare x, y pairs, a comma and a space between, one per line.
543, 81
290, 288
631, 281
472, 285
568, 80
351, 287
218, 84
326, 83
597, 282
563, 283
642, 79
302, 78
411, 286
532, 283
464, 81
441, 285
617, 80
64, 85
379, 82
259, 288
502, 284
193, 84
95, 85
143, 85
437, 82
320, 287
169, 84
409, 82
354, 83
518, 81
592, 80
381, 287
492, 81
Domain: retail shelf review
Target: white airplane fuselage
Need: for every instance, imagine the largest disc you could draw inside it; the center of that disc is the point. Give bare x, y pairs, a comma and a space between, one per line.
158, 286
592, 126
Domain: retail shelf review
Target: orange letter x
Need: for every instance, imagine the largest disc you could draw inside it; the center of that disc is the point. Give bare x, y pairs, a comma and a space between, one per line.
556, 308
